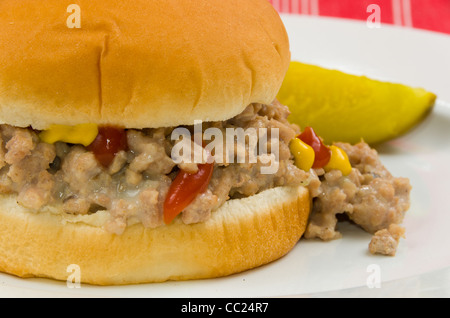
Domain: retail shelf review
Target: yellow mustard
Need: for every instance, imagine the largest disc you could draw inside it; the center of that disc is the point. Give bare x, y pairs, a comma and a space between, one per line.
83, 134
339, 161
304, 154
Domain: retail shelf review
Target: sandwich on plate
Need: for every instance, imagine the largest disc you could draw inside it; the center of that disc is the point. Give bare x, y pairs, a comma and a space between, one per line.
97, 124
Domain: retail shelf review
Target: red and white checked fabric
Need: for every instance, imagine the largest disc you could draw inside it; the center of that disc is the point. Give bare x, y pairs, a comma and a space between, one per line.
431, 15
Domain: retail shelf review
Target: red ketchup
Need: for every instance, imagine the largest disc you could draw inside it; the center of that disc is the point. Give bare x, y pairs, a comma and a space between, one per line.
108, 143
323, 153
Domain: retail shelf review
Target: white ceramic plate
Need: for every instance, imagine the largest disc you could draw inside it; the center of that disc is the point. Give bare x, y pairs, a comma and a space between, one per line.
344, 267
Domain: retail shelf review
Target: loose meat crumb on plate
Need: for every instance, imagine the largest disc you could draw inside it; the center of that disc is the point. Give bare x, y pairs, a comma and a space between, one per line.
385, 241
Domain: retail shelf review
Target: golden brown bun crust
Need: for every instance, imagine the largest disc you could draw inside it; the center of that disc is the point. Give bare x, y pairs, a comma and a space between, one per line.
138, 64
241, 235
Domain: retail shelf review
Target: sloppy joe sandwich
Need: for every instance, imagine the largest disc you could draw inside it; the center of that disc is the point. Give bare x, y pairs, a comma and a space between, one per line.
89, 172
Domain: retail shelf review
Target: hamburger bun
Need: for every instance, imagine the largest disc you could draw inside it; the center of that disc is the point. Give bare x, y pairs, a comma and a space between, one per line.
138, 64
240, 235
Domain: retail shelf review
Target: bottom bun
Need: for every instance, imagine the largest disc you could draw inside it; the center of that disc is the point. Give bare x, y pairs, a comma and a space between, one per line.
241, 235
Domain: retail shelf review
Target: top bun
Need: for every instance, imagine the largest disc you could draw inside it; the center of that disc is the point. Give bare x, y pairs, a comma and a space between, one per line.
138, 64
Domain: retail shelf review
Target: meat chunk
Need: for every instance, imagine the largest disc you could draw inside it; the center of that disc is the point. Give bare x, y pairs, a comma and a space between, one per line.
200, 209
79, 168
118, 162
386, 241
120, 211
37, 194
75, 205
27, 170
150, 156
380, 203
27, 173
151, 214
19, 146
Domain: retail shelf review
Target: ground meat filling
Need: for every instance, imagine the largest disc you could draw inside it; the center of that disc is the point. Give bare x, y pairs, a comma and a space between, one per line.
370, 197
135, 185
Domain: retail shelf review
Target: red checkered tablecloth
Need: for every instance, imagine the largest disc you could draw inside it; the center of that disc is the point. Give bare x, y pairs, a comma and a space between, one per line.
431, 15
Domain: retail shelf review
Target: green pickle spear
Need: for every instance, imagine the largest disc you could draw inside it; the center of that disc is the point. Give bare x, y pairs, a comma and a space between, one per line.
350, 108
